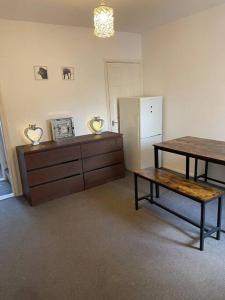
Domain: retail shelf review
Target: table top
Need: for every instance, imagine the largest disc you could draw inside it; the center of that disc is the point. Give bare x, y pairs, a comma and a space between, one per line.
205, 149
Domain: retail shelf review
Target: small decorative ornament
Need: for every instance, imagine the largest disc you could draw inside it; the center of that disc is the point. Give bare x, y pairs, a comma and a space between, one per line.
97, 124
62, 128
34, 134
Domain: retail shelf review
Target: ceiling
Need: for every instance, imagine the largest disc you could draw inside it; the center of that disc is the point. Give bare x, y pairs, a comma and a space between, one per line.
130, 15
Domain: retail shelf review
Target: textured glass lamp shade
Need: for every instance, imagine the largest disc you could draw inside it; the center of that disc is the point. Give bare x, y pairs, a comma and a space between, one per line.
103, 21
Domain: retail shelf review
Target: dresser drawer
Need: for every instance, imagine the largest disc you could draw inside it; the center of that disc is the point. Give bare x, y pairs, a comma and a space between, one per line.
53, 157
100, 176
48, 174
102, 160
56, 189
99, 147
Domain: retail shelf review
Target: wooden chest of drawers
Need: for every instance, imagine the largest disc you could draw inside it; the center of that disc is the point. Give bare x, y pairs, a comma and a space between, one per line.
54, 169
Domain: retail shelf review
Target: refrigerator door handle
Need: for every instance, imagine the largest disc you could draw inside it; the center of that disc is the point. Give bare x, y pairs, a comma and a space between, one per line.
154, 135
114, 122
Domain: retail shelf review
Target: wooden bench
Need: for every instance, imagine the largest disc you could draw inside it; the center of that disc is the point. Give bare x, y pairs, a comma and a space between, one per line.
198, 192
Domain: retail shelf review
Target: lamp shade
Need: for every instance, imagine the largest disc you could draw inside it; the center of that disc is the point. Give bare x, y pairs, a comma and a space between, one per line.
103, 21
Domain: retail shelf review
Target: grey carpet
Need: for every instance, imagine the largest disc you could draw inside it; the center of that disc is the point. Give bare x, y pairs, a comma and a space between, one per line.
94, 246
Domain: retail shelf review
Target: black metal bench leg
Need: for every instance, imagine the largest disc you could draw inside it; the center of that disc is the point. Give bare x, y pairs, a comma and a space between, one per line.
206, 170
219, 217
157, 191
202, 226
187, 167
151, 191
196, 170
136, 190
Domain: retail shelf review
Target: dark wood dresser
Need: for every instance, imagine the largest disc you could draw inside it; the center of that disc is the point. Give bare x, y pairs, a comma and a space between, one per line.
54, 169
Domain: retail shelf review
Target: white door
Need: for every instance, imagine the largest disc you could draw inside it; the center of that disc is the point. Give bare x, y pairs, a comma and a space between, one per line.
123, 80
150, 117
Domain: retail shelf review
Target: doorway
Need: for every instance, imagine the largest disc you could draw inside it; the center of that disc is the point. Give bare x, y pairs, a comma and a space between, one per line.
123, 79
5, 181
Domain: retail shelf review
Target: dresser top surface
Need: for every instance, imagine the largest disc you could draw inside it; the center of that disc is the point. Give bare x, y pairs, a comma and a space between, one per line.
48, 145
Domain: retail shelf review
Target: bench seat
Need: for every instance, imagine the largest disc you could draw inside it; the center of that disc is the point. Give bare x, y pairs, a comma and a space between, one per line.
196, 191
178, 183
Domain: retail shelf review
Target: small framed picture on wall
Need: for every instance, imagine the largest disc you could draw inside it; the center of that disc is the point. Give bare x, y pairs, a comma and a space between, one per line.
40, 72
68, 73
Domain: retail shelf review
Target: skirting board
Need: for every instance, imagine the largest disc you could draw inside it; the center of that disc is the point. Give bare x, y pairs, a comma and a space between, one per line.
7, 196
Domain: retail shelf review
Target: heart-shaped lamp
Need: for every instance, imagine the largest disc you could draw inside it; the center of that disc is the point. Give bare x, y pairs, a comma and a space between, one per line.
97, 125
34, 134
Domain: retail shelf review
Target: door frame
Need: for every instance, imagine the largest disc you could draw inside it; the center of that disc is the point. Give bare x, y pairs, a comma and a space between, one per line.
7, 146
3, 162
106, 61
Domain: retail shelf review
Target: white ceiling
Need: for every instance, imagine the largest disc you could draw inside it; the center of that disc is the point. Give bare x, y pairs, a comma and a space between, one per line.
130, 15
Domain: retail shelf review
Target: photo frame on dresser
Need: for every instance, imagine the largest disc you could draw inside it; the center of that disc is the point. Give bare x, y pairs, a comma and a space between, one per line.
62, 128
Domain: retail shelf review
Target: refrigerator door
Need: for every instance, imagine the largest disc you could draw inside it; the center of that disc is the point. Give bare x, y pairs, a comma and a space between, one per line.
147, 151
150, 116
129, 127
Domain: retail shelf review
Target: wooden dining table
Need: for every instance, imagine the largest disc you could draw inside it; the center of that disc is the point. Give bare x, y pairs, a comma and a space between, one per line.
207, 150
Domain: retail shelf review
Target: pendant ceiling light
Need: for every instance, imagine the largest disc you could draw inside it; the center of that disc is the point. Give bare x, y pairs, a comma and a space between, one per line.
103, 21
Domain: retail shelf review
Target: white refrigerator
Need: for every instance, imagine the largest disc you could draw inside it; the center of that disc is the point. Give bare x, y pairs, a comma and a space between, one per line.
140, 122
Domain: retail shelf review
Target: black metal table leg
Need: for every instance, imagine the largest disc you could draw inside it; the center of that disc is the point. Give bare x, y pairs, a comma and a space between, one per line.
219, 217
187, 167
196, 170
136, 191
156, 154
202, 226
206, 170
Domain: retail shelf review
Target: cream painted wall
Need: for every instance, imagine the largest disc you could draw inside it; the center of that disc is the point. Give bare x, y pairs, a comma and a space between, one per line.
185, 62
26, 101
